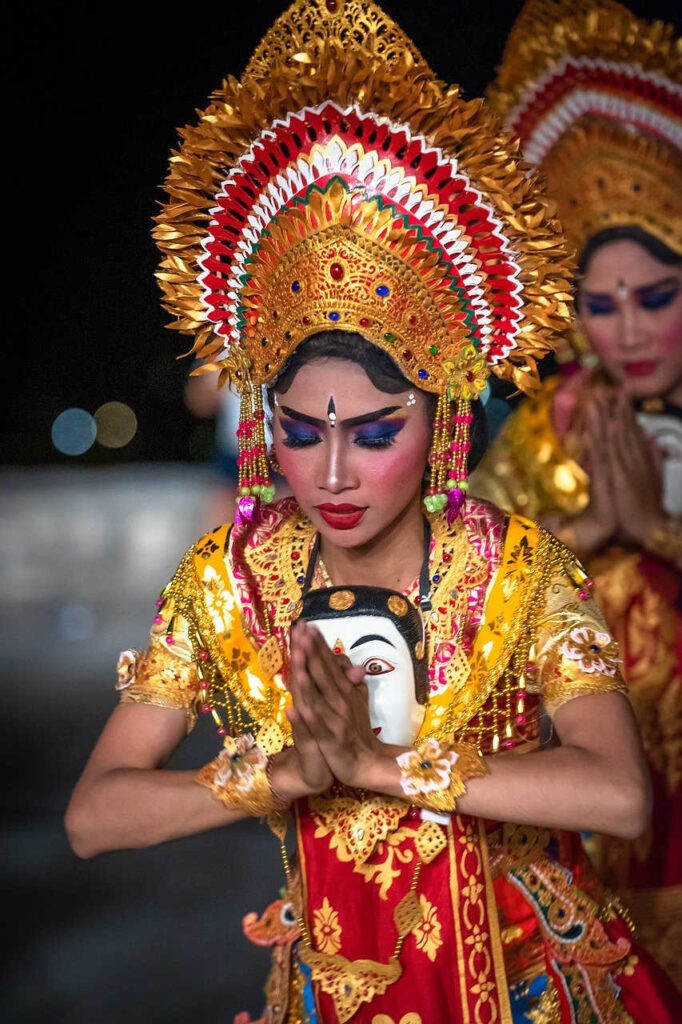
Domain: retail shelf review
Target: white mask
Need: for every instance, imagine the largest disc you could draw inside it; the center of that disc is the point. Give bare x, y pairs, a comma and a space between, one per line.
389, 672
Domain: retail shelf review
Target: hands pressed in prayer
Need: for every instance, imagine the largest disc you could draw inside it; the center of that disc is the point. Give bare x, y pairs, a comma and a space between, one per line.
637, 485
329, 715
625, 480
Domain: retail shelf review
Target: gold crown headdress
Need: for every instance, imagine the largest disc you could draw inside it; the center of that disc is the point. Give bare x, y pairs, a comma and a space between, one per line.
595, 96
340, 184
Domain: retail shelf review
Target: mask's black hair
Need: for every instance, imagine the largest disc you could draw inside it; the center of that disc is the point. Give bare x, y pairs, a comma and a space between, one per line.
342, 602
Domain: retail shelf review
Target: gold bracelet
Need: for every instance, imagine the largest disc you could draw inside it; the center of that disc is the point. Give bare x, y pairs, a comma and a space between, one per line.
433, 775
239, 778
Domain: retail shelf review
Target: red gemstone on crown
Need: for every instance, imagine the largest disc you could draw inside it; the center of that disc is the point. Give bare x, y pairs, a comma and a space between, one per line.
331, 6
337, 272
364, 322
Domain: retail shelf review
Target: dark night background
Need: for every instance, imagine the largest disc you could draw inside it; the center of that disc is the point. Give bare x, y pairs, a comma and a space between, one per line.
95, 94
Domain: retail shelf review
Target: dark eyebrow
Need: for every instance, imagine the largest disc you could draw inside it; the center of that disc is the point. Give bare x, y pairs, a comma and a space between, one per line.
370, 636
369, 417
663, 283
292, 414
354, 421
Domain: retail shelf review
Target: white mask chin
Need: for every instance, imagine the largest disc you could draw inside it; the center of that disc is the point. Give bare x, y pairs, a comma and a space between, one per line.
376, 643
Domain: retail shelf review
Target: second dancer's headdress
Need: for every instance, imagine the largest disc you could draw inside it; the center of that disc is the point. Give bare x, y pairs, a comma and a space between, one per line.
595, 96
340, 184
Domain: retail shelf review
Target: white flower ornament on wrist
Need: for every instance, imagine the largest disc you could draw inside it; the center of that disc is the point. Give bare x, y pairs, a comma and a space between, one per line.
433, 775
239, 777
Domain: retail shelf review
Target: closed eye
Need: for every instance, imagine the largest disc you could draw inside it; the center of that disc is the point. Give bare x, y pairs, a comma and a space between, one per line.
378, 434
657, 299
377, 667
299, 435
600, 305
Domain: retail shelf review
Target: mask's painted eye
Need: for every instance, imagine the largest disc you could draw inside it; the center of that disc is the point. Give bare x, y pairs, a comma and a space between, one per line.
377, 667
287, 915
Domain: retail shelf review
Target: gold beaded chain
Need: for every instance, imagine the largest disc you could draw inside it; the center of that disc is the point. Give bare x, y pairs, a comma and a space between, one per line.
500, 723
214, 691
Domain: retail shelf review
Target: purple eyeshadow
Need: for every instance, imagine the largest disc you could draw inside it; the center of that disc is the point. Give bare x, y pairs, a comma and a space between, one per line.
379, 430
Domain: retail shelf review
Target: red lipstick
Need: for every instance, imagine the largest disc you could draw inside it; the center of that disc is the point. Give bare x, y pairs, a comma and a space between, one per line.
342, 516
642, 368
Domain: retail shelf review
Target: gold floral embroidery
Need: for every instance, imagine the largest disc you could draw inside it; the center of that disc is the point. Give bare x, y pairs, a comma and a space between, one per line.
357, 826
349, 982
427, 932
163, 678
326, 928
408, 1018
219, 601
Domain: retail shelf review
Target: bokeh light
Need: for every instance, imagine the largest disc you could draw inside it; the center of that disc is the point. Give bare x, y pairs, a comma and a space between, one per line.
73, 432
116, 424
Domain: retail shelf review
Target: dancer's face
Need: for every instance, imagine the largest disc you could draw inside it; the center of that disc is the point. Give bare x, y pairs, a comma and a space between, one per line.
630, 305
354, 456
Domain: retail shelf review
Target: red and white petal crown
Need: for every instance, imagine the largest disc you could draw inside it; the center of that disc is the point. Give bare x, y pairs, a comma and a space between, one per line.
343, 186
595, 96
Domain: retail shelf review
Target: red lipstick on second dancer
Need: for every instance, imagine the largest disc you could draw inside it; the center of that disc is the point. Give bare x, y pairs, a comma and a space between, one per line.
642, 368
342, 516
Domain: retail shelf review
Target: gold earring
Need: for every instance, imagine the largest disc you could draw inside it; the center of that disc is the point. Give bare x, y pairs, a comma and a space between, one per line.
272, 460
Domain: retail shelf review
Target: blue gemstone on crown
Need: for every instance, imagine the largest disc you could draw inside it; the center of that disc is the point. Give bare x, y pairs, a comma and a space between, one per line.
295, 286
334, 316
383, 290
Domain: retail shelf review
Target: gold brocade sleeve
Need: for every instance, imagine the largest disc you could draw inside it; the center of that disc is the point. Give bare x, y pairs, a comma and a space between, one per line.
527, 470
165, 675
575, 653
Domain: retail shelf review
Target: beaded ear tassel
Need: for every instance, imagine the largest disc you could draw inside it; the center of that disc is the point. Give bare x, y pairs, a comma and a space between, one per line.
449, 456
254, 475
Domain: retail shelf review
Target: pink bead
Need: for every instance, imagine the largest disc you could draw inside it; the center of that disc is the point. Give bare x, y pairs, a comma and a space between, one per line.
413, 814
508, 744
158, 619
203, 655
222, 731
530, 668
521, 694
170, 640
582, 595
159, 602
206, 709
589, 583
520, 719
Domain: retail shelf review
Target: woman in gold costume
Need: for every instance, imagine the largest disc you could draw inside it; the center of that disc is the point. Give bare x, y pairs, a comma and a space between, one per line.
595, 96
345, 231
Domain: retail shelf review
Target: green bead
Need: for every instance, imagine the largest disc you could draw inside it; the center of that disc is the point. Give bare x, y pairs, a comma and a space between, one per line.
451, 484
433, 349
435, 502
245, 491
389, 337
267, 492
256, 489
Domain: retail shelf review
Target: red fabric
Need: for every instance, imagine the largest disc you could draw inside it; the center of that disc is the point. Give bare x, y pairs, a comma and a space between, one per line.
647, 994
462, 969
